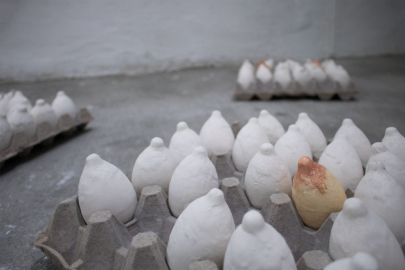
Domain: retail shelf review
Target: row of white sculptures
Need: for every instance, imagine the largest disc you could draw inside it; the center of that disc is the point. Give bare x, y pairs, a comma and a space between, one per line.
18, 116
288, 72
372, 222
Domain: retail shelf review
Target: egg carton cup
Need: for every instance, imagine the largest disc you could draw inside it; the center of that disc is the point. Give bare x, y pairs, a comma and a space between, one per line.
21, 144
106, 243
325, 91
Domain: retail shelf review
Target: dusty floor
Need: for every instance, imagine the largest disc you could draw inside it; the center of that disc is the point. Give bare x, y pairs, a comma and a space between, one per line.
130, 111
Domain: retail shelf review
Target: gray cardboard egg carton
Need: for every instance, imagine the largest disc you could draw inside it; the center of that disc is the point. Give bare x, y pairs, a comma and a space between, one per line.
106, 243
21, 144
324, 91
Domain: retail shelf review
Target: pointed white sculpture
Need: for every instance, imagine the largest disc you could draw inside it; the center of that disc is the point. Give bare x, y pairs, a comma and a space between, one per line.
154, 166
263, 73
43, 113
282, 76
4, 100
248, 143
266, 174
21, 121
339, 75
256, 245
246, 76
201, 232
193, 178
270, 63
271, 126
183, 142
103, 186
357, 139
393, 164
217, 135
356, 229
5, 133
383, 195
317, 73
342, 160
395, 142
291, 147
19, 99
360, 261
62, 104
302, 77
312, 133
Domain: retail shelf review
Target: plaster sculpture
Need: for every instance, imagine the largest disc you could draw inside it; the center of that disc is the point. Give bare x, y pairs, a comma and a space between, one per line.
317, 73
316, 193
154, 166
193, 178
394, 165
5, 133
282, 77
246, 76
21, 121
183, 142
266, 174
263, 73
356, 229
342, 160
383, 195
4, 100
103, 186
360, 261
43, 113
248, 143
62, 104
395, 142
256, 245
202, 232
217, 135
302, 78
357, 139
312, 133
18, 99
291, 147
271, 126
270, 63
339, 75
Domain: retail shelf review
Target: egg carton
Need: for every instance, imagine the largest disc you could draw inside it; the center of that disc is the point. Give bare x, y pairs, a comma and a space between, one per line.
106, 243
21, 144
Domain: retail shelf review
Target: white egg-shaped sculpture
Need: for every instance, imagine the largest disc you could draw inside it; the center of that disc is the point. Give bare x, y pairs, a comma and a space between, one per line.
266, 174
357, 139
384, 196
201, 232
317, 73
342, 160
19, 99
339, 75
246, 76
43, 113
271, 126
62, 104
4, 100
302, 77
263, 73
256, 245
282, 77
312, 133
360, 261
21, 121
395, 142
193, 178
270, 63
183, 142
5, 133
357, 228
247, 144
217, 135
154, 166
103, 186
393, 164
291, 147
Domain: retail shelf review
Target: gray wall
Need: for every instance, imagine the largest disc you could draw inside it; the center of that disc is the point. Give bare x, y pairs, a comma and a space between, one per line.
74, 38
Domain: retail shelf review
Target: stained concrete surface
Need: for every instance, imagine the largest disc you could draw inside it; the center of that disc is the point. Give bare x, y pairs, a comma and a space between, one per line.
130, 111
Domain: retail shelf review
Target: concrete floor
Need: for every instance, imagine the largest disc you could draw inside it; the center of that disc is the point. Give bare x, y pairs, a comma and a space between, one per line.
130, 111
